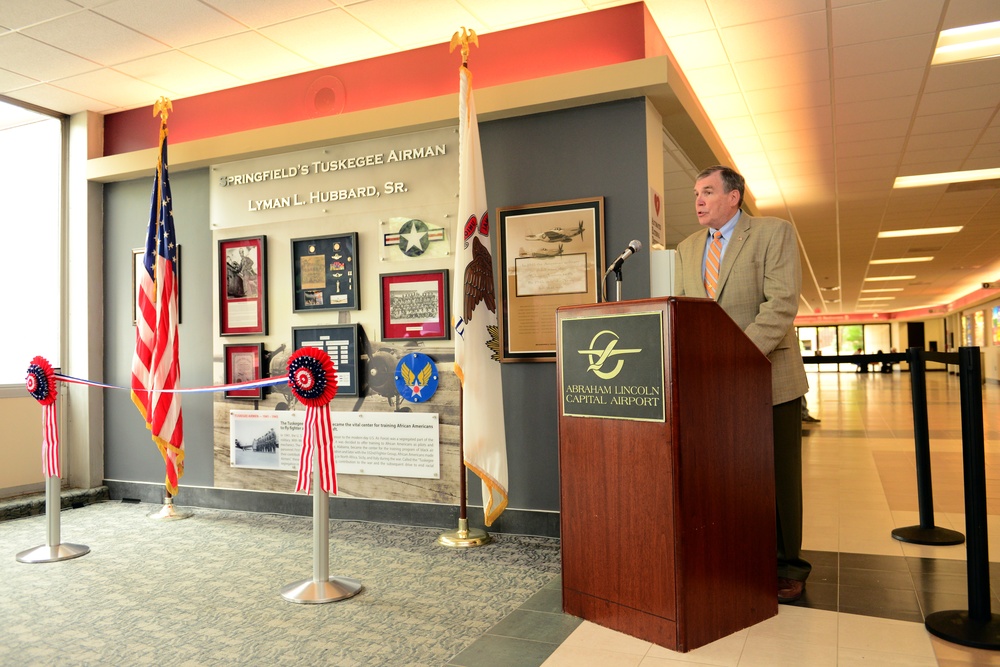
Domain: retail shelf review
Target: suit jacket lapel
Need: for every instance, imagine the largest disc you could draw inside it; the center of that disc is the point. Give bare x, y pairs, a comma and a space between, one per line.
698, 264
741, 233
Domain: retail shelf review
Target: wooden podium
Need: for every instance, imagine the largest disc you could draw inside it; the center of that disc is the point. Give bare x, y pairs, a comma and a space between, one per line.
666, 471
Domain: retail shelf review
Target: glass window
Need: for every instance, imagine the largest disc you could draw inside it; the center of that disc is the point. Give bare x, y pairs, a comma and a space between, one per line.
31, 161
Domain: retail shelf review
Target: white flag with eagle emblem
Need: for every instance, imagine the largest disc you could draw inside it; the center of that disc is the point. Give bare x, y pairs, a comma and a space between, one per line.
474, 304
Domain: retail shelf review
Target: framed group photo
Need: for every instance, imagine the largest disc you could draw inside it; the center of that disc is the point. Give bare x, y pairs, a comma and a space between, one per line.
340, 341
243, 363
243, 286
325, 272
414, 305
551, 255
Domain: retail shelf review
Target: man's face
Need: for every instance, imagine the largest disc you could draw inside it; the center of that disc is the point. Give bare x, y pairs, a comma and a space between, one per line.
713, 206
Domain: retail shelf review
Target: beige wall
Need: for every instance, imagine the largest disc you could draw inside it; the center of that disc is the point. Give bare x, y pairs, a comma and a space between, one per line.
21, 471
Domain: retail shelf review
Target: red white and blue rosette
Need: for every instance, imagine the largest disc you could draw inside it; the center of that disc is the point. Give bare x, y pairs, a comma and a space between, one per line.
312, 377
41, 384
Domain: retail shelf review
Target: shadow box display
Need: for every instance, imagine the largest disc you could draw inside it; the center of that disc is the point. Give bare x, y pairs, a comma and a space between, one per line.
243, 286
243, 364
340, 341
414, 305
325, 272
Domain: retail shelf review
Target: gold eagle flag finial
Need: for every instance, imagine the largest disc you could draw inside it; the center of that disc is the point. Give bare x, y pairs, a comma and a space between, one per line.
162, 108
463, 38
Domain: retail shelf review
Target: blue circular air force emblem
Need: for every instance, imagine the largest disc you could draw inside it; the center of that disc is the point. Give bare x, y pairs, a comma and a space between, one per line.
416, 377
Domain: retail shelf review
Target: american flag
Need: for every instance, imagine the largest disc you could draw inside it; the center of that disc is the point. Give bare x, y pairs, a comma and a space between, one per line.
477, 363
155, 365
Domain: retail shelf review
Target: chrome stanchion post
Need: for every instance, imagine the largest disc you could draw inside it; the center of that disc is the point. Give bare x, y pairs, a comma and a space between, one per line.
322, 587
52, 550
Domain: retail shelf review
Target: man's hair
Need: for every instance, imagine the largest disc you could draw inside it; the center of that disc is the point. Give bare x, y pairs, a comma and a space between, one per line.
731, 179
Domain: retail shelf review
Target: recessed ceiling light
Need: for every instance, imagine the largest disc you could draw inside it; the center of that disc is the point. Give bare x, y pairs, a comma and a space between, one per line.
971, 42
927, 231
924, 180
901, 260
881, 278
884, 289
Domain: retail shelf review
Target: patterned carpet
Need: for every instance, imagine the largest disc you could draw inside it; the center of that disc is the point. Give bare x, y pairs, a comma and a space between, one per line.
206, 591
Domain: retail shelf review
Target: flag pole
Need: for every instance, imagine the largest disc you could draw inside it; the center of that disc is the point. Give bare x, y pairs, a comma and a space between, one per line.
162, 108
463, 536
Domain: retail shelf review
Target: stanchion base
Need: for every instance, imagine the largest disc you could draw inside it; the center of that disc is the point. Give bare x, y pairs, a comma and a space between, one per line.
464, 536
956, 626
170, 513
47, 554
934, 536
310, 591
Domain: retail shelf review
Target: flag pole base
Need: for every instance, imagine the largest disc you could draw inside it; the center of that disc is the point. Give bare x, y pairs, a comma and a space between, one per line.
47, 554
310, 591
463, 537
169, 513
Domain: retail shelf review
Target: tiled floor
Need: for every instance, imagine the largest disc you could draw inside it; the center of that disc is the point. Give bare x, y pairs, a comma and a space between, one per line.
868, 595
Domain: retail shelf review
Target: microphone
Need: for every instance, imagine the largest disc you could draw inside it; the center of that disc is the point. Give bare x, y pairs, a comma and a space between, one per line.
634, 246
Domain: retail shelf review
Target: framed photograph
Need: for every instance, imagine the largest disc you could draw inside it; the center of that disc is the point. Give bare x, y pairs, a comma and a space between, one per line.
551, 255
243, 363
325, 272
243, 286
137, 254
414, 305
340, 341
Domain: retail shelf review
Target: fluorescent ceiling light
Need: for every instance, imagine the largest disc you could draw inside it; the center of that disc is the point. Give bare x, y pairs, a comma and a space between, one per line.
884, 289
876, 298
901, 260
971, 42
926, 231
882, 278
924, 180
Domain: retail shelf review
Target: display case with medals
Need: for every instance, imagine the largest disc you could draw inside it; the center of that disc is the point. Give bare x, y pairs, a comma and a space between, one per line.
325, 272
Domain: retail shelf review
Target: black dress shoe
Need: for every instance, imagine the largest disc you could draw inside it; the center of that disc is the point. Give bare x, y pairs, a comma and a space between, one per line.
790, 590
810, 418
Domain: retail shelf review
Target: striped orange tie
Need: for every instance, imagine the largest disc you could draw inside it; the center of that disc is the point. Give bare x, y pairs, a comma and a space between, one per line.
712, 263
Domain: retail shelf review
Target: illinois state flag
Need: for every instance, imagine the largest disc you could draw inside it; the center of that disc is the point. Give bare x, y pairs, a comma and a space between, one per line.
474, 303
155, 364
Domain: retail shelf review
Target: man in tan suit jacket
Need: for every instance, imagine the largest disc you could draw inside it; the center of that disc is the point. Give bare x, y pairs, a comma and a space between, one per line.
758, 284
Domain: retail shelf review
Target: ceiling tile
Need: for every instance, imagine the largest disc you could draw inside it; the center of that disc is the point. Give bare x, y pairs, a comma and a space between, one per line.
178, 23
330, 38
698, 50
802, 138
801, 96
48, 96
410, 24
712, 81
725, 106
957, 120
107, 42
112, 86
177, 71
500, 15
753, 41
965, 138
863, 131
803, 67
869, 147
18, 15
737, 126
969, 12
259, 13
898, 83
795, 119
31, 58
963, 75
10, 81
873, 110
978, 97
249, 55
736, 12
883, 56
954, 154
671, 17
886, 19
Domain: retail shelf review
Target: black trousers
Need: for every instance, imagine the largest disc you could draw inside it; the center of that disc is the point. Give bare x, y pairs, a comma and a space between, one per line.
788, 489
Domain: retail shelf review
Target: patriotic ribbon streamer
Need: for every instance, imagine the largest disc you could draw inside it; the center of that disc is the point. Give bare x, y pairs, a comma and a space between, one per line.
41, 384
313, 379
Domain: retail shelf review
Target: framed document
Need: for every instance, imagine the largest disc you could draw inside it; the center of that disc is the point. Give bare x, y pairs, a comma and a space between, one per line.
414, 305
340, 341
137, 254
243, 363
325, 272
551, 255
243, 286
